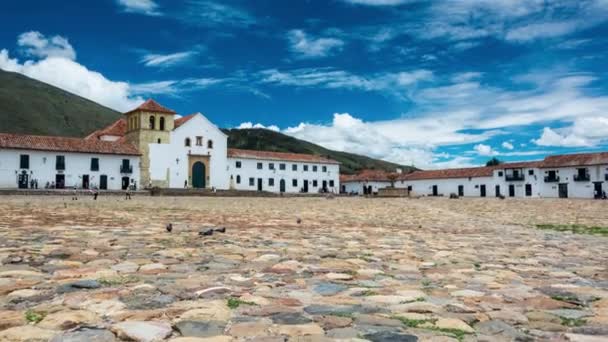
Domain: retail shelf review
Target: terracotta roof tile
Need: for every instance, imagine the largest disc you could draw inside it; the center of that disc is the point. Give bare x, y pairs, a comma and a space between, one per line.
578, 159
118, 128
450, 173
520, 165
64, 144
152, 106
252, 154
183, 120
368, 175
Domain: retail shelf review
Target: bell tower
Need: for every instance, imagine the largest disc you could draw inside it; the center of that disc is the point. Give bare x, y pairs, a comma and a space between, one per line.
150, 123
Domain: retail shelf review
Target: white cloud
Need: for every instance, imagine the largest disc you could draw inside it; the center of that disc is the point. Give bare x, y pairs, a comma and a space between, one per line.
35, 44
73, 77
211, 13
250, 125
146, 7
377, 2
174, 87
507, 145
553, 138
305, 46
535, 31
485, 150
164, 61
584, 132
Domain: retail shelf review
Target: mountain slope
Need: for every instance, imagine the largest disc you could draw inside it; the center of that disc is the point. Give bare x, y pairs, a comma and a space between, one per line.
33, 107
28, 106
267, 140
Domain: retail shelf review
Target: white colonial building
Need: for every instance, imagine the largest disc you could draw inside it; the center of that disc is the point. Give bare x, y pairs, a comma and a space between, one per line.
28, 161
282, 172
153, 147
582, 175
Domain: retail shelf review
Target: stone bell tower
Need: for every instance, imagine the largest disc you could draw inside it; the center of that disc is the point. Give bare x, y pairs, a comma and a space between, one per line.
148, 124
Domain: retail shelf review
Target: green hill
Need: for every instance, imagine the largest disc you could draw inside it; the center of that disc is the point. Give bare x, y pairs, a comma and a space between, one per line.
267, 140
33, 107
28, 106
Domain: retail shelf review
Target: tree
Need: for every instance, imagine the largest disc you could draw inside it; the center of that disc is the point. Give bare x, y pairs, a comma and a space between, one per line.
493, 162
392, 177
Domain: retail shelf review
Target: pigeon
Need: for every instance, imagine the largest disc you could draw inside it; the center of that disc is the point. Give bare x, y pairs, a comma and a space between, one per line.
206, 232
221, 230
169, 227
299, 220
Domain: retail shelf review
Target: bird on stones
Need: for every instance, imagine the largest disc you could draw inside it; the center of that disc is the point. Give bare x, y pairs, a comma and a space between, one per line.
169, 227
299, 220
221, 230
206, 232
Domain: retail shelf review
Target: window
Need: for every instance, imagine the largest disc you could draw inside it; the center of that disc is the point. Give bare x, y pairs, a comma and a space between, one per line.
305, 167
94, 164
314, 168
294, 182
60, 163
294, 167
324, 168
238, 179
281, 166
531, 172
260, 166
251, 181
315, 183
238, 164
210, 144
199, 141
271, 166
331, 183
270, 181
187, 142
152, 122
24, 161
499, 173
161, 123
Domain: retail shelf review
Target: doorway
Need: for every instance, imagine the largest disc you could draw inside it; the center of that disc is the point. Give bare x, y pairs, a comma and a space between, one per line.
125, 183
260, 184
597, 190
563, 190
482, 190
461, 190
59, 181
305, 186
511, 190
497, 191
23, 180
435, 190
282, 185
85, 181
103, 182
324, 186
198, 175
528, 190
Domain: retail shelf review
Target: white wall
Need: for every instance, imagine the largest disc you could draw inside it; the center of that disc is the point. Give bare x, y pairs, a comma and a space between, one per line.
42, 168
357, 187
534, 180
447, 186
249, 170
576, 189
163, 156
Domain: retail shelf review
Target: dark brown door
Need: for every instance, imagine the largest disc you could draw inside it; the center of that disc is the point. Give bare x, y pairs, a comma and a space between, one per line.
563, 190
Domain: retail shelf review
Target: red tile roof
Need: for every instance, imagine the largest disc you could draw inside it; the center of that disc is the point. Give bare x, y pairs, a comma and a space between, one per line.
64, 144
520, 165
152, 106
118, 128
578, 159
368, 176
450, 173
183, 120
267, 155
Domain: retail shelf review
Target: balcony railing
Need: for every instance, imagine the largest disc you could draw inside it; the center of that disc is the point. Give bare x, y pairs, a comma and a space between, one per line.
551, 179
126, 168
514, 178
582, 178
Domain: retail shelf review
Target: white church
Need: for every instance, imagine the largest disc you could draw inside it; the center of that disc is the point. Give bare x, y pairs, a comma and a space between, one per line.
151, 146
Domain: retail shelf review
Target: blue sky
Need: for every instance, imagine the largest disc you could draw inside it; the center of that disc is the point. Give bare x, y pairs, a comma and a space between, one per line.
429, 83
